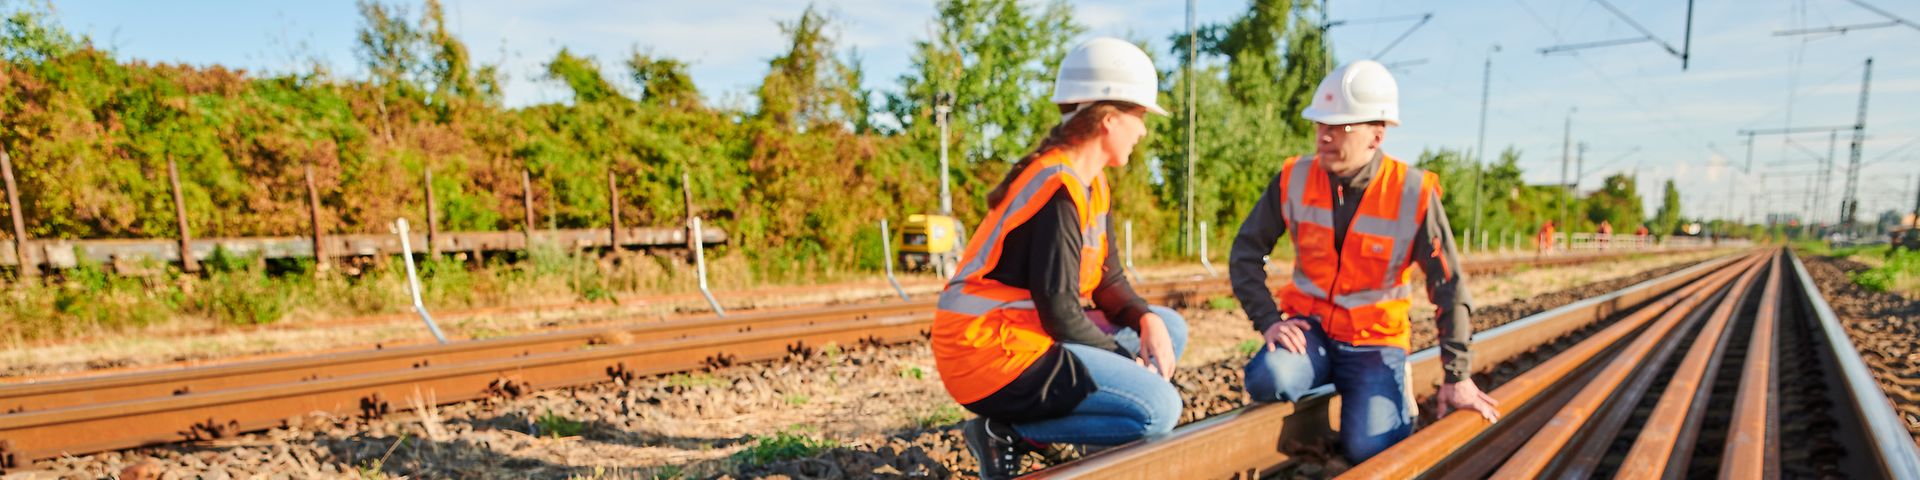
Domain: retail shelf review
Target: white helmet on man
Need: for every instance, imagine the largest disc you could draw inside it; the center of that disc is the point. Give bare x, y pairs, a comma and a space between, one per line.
1357, 92
1108, 69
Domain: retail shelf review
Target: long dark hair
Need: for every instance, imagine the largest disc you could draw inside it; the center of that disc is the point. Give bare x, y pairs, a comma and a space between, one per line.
1081, 128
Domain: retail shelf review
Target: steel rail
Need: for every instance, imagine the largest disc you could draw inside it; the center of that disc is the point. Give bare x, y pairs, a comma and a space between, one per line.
1683, 402
1254, 439
1438, 441
25, 397
204, 416
1534, 457
1598, 437
85, 415
578, 358
1751, 451
1896, 452
33, 396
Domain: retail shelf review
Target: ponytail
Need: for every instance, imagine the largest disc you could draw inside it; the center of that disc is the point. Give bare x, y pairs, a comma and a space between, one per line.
1081, 124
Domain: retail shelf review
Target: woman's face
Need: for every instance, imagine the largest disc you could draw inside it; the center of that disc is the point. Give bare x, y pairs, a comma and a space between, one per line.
1123, 131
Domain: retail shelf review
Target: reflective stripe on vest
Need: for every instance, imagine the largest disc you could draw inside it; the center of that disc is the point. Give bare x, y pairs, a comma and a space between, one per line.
985, 333
955, 299
1401, 230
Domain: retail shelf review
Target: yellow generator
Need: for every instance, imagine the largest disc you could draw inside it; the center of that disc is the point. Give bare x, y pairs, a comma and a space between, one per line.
932, 242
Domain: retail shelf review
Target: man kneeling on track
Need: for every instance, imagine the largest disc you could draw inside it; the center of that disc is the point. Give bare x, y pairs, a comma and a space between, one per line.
1360, 220
1011, 340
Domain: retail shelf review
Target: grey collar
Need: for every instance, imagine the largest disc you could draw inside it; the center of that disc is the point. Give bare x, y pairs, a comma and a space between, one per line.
1362, 178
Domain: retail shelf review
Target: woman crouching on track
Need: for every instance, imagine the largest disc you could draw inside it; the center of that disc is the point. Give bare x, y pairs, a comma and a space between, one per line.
1011, 340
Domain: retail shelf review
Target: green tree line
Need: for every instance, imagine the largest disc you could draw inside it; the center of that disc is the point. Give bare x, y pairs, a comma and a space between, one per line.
799, 178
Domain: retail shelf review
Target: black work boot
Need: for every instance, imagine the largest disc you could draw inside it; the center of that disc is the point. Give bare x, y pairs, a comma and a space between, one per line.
1000, 450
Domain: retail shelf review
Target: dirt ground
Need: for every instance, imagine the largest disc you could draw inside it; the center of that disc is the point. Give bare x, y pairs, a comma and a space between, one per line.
850, 414
1884, 326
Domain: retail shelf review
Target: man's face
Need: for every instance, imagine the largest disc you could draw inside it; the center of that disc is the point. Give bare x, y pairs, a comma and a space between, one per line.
1346, 148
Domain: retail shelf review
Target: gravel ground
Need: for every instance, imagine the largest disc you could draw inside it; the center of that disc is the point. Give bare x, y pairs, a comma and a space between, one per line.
858, 413
1884, 326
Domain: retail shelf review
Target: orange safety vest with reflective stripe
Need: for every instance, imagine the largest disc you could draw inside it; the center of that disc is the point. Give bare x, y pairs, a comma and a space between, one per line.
1359, 291
986, 333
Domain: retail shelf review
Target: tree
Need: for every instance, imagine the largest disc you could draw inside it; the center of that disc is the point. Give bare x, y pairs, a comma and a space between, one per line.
807, 87
663, 81
1668, 217
582, 76
1617, 203
390, 46
997, 58
1249, 111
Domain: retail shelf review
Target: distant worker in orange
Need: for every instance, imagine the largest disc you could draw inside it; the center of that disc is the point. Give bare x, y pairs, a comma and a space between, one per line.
1606, 234
1010, 338
1543, 243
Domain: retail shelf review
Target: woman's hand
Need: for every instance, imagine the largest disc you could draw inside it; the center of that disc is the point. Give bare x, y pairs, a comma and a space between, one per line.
1156, 348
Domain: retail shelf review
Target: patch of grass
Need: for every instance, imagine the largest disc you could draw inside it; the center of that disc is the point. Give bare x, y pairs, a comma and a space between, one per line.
556, 426
669, 472
786, 445
913, 372
375, 470
695, 380
1892, 271
944, 414
796, 399
1248, 347
1223, 302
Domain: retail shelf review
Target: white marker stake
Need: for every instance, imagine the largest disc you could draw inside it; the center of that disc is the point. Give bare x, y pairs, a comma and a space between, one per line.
700, 266
886, 250
1204, 261
413, 279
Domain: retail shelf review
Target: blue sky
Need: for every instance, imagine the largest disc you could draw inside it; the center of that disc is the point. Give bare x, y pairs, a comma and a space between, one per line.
1636, 109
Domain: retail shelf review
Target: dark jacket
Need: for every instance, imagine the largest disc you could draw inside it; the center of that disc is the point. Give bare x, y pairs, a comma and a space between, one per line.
1433, 250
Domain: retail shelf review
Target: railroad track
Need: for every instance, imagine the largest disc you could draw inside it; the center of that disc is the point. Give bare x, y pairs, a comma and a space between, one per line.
1736, 368
86, 415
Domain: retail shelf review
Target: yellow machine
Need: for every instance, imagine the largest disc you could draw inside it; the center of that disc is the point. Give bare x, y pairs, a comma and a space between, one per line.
932, 242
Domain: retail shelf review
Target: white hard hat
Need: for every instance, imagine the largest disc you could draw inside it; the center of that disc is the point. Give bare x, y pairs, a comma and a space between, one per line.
1108, 69
1357, 92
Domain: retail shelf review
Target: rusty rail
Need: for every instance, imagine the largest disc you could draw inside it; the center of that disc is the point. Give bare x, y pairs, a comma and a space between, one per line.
1896, 453
1565, 421
94, 414
1748, 444
1251, 440
116, 412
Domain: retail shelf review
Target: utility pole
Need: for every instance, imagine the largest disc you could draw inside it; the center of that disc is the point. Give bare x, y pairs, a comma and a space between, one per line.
1566, 160
1186, 227
1480, 152
942, 104
1826, 170
1732, 182
1851, 203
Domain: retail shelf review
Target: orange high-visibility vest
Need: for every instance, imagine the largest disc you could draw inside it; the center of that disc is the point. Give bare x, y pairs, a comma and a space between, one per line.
1359, 291
986, 333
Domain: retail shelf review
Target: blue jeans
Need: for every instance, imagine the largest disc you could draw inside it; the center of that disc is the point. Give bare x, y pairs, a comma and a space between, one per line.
1130, 402
1373, 415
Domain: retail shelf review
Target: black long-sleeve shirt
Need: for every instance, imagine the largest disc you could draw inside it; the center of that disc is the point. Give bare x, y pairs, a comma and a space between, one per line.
1043, 256
1433, 250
